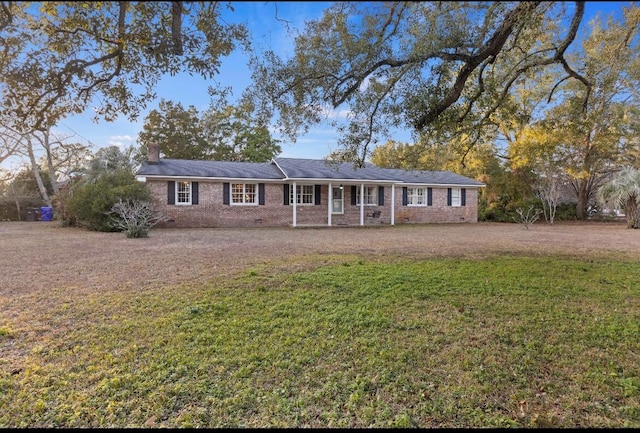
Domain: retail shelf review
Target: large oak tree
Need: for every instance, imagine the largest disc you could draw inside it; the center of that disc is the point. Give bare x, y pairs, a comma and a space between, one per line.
425, 66
60, 58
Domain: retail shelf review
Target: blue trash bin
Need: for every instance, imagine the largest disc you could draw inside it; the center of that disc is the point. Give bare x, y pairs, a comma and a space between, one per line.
46, 213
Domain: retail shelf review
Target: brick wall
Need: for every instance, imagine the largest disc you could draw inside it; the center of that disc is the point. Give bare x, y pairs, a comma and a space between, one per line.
439, 212
211, 212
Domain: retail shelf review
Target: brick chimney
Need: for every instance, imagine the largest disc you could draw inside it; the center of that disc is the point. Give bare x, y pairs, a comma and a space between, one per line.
154, 154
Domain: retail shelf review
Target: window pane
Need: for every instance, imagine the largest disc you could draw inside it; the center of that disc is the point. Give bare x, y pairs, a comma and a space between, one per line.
249, 193
184, 192
455, 196
307, 194
304, 194
370, 195
237, 190
416, 196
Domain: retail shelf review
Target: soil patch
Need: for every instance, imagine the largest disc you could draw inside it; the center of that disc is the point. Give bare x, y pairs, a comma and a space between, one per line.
40, 256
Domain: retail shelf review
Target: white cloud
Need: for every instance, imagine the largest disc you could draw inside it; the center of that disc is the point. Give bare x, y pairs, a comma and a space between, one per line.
122, 137
121, 141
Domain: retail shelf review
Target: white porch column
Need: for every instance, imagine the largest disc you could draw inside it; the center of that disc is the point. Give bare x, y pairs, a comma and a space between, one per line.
393, 204
329, 204
295, 201
362, 204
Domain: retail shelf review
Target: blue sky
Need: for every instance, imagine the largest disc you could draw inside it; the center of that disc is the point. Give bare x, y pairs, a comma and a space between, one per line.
267, 32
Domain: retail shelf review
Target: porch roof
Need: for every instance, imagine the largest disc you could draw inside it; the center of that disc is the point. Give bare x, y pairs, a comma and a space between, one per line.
298, 168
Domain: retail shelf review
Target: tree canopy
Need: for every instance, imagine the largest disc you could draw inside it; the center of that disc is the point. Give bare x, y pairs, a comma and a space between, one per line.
223, 133
426, 66
60, 58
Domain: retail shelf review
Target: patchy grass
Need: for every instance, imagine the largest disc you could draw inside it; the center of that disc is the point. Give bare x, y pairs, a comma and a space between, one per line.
506, 341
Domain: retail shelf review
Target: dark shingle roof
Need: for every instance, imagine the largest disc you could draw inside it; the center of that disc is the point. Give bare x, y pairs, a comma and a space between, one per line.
214, 169
299, 169
296, 168
430, 177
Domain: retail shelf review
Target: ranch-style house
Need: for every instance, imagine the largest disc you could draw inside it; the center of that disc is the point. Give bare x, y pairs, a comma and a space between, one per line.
304, 192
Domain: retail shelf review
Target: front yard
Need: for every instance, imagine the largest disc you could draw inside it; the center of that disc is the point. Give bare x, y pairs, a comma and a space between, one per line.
474, 325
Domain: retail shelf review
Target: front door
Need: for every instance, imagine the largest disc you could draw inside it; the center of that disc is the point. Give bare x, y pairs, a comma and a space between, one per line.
337, 200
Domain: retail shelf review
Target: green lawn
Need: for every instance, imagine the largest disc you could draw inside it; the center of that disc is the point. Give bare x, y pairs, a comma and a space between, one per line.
506, 341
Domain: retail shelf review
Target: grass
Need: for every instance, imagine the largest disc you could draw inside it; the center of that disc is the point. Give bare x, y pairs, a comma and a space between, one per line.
506, 341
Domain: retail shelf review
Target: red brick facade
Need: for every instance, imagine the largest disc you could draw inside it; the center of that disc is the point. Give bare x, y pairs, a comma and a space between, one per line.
211, 212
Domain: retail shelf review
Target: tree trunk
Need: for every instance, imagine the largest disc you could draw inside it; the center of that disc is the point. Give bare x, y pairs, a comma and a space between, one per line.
15, 197
583, 197
52, 173
36, 174
632, 212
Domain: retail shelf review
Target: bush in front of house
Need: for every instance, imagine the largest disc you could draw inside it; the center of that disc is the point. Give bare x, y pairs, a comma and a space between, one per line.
92, 203
135, 217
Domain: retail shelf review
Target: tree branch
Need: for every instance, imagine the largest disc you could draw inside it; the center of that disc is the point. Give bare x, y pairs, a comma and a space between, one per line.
491, 48
176, 27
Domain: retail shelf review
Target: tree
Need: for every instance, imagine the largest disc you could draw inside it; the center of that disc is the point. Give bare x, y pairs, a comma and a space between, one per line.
62, 57
549, 191
22, 191
223, 133
177, 131
623, 190
502, 193
585, 138
237, 136
68, 158
9, 143
107, 160
425, 66
60, 158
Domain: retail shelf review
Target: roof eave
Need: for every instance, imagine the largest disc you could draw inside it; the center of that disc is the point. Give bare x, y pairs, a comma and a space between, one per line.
207, 178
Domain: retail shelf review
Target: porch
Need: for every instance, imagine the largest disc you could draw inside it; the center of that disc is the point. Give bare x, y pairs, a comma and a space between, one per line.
348, 204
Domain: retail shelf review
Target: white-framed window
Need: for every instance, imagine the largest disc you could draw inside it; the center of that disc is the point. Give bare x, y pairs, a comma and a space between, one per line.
370, 195
183, 192
416, 196
456, 197
304, 194
244, 193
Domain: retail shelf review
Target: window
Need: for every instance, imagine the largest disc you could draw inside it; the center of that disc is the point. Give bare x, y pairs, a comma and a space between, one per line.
183, 192
370, 195
244, 193
416, 196
455, 197
305, 194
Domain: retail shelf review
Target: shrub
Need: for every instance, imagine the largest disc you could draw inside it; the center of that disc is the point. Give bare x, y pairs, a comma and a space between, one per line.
91, 203
528, 217
135, 217
566, 212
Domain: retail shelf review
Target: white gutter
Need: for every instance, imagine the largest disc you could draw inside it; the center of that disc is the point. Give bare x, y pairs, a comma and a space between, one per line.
211, 179
349, 181
441, 185
309, 180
